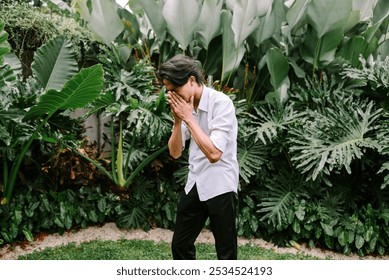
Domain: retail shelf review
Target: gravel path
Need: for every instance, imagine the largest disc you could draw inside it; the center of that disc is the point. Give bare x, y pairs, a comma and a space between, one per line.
109, 231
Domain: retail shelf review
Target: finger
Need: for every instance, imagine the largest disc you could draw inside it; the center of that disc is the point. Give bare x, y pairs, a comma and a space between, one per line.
179, 98
173, 97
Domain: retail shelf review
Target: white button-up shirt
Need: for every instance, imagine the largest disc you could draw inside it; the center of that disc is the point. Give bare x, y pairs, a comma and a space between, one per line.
216, 117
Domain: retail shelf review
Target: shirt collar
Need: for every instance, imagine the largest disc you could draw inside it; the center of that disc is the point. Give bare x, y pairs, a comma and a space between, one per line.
203, 104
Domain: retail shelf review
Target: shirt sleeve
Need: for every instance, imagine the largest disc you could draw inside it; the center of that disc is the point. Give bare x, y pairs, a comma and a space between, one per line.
185, 134
221, 124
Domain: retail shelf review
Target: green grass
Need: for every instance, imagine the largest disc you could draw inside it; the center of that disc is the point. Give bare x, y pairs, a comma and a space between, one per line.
147, 250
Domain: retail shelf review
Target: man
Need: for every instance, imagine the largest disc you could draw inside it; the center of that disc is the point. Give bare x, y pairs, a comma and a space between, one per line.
207, 118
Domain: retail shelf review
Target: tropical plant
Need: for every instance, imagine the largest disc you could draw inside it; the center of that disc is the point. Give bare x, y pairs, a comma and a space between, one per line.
34, 210
322, 164
236, 40
57, 91
30, 27
373, 77
137, 118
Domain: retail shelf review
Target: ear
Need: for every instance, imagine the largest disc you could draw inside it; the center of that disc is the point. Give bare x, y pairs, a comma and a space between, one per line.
192, 80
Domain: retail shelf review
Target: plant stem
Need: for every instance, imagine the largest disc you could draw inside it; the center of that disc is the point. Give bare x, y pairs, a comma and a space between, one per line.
119, 159
8, 188
113, 152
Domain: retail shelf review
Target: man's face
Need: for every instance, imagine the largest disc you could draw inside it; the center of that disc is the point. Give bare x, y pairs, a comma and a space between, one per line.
184, 91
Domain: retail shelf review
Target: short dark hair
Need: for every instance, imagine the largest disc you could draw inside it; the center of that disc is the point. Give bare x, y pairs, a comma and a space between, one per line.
178, 69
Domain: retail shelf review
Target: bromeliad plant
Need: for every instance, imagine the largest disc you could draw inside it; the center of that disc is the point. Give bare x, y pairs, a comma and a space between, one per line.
58, 88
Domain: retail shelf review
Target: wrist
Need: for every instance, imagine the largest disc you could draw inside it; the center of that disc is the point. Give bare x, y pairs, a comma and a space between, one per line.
188, 120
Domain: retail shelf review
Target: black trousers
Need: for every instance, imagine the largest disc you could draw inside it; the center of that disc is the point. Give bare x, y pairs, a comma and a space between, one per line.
191, 217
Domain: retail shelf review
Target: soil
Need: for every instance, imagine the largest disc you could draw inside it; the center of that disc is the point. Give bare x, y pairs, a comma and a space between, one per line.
109, 231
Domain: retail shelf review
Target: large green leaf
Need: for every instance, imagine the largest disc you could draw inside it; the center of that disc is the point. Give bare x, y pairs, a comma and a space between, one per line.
365, 8
208, 25
352, 50
296, 15
102, 102
232, 56
277, 203
245, 19
381, 11
270, 24
278, 67
102, 17
328, 15
153, 9
212, 57
14, 63
54, 63
326, 145
78, 92
181, 17
131, 25
6, 73
321, 51
251, 158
